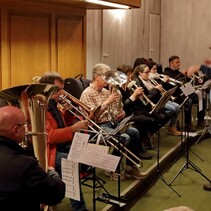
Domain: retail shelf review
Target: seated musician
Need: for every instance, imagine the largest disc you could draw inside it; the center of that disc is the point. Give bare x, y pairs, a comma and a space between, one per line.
60, 134
171, 107
141, 122
153, 92
173, 71
96, 94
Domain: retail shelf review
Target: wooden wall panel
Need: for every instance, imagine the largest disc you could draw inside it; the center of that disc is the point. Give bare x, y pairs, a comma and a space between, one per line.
37, 38
71, 57
30, 48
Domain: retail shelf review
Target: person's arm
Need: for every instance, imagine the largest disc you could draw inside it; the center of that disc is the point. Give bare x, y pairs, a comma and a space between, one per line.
205, 68
47, 188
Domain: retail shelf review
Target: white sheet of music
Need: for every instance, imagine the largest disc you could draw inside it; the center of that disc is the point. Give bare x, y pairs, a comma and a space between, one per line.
79, 143
200, 101
70, 176
187, 89
97, 156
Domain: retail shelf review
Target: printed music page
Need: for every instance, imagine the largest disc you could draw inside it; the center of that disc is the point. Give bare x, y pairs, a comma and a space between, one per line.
187, 89
70, 176
78, 146
97, 156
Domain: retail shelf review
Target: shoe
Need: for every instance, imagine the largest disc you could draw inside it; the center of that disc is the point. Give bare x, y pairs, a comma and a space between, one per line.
114, 176
191, 128
133, 172
174, 131
207, 187
144, 155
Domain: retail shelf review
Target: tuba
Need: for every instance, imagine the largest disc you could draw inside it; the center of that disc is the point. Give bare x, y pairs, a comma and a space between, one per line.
32, 100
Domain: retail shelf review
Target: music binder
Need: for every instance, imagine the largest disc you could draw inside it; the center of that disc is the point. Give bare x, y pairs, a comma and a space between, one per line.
163, 100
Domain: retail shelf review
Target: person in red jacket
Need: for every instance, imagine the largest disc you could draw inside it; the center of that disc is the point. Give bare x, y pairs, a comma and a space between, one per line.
60, 132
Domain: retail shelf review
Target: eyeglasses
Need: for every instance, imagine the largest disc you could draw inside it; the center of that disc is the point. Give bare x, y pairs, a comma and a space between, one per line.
147, 72
22, 124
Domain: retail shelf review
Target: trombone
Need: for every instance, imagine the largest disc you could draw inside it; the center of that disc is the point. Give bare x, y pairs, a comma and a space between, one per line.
67, 98
144, 99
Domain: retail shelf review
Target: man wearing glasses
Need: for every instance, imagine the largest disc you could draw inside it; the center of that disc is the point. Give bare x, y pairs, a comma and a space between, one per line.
24, 185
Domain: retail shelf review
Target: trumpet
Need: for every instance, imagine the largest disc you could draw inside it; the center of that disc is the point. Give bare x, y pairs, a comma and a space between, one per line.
144, 99
107, 137
172, 81
155, 83
199, 78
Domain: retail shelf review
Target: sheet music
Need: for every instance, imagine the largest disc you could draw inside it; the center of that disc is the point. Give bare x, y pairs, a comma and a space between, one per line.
97, 156
187, 89
80, 140
206, 85
199, 94
70, 176
91, 154
164, 99
121, 125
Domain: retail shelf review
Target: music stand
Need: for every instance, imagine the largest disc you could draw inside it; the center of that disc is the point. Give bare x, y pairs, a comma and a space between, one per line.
106, 197
206, 129
189, 164
161, 103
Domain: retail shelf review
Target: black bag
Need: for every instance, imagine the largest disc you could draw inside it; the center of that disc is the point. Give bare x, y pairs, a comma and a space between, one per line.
75, 86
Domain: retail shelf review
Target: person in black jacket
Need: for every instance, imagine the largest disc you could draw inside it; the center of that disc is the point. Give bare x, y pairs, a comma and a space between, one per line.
24, 185
173, 71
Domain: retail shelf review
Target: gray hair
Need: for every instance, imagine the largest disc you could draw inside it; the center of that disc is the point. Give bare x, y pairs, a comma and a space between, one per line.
100, 69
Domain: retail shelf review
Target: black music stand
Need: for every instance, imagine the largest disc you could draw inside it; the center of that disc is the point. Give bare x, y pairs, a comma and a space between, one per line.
188, 164
107, 197
161, 103
206, 86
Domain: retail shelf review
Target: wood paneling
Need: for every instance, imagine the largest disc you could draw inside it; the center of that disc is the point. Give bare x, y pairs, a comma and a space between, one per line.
70, 47
35, 40
29, 46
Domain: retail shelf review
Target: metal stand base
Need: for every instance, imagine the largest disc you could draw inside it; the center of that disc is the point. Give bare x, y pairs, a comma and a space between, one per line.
160, 176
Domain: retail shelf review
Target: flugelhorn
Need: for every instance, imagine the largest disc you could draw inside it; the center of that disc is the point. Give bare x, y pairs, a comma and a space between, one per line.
143, 98
92, 125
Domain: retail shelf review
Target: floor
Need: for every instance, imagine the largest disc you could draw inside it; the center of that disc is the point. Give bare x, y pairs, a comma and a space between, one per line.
185, 190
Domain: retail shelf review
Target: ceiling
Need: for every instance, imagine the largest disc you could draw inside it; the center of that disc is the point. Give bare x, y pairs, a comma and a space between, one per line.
87, 5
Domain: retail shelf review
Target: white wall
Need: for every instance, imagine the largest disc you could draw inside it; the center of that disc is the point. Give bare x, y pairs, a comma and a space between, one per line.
185, 30
117, 40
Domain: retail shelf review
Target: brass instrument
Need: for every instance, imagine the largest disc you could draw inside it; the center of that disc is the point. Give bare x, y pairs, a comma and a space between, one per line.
172, 81
144, 99
155, 83
199, 78
92, 113
33, 100
128, 154
115, 79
